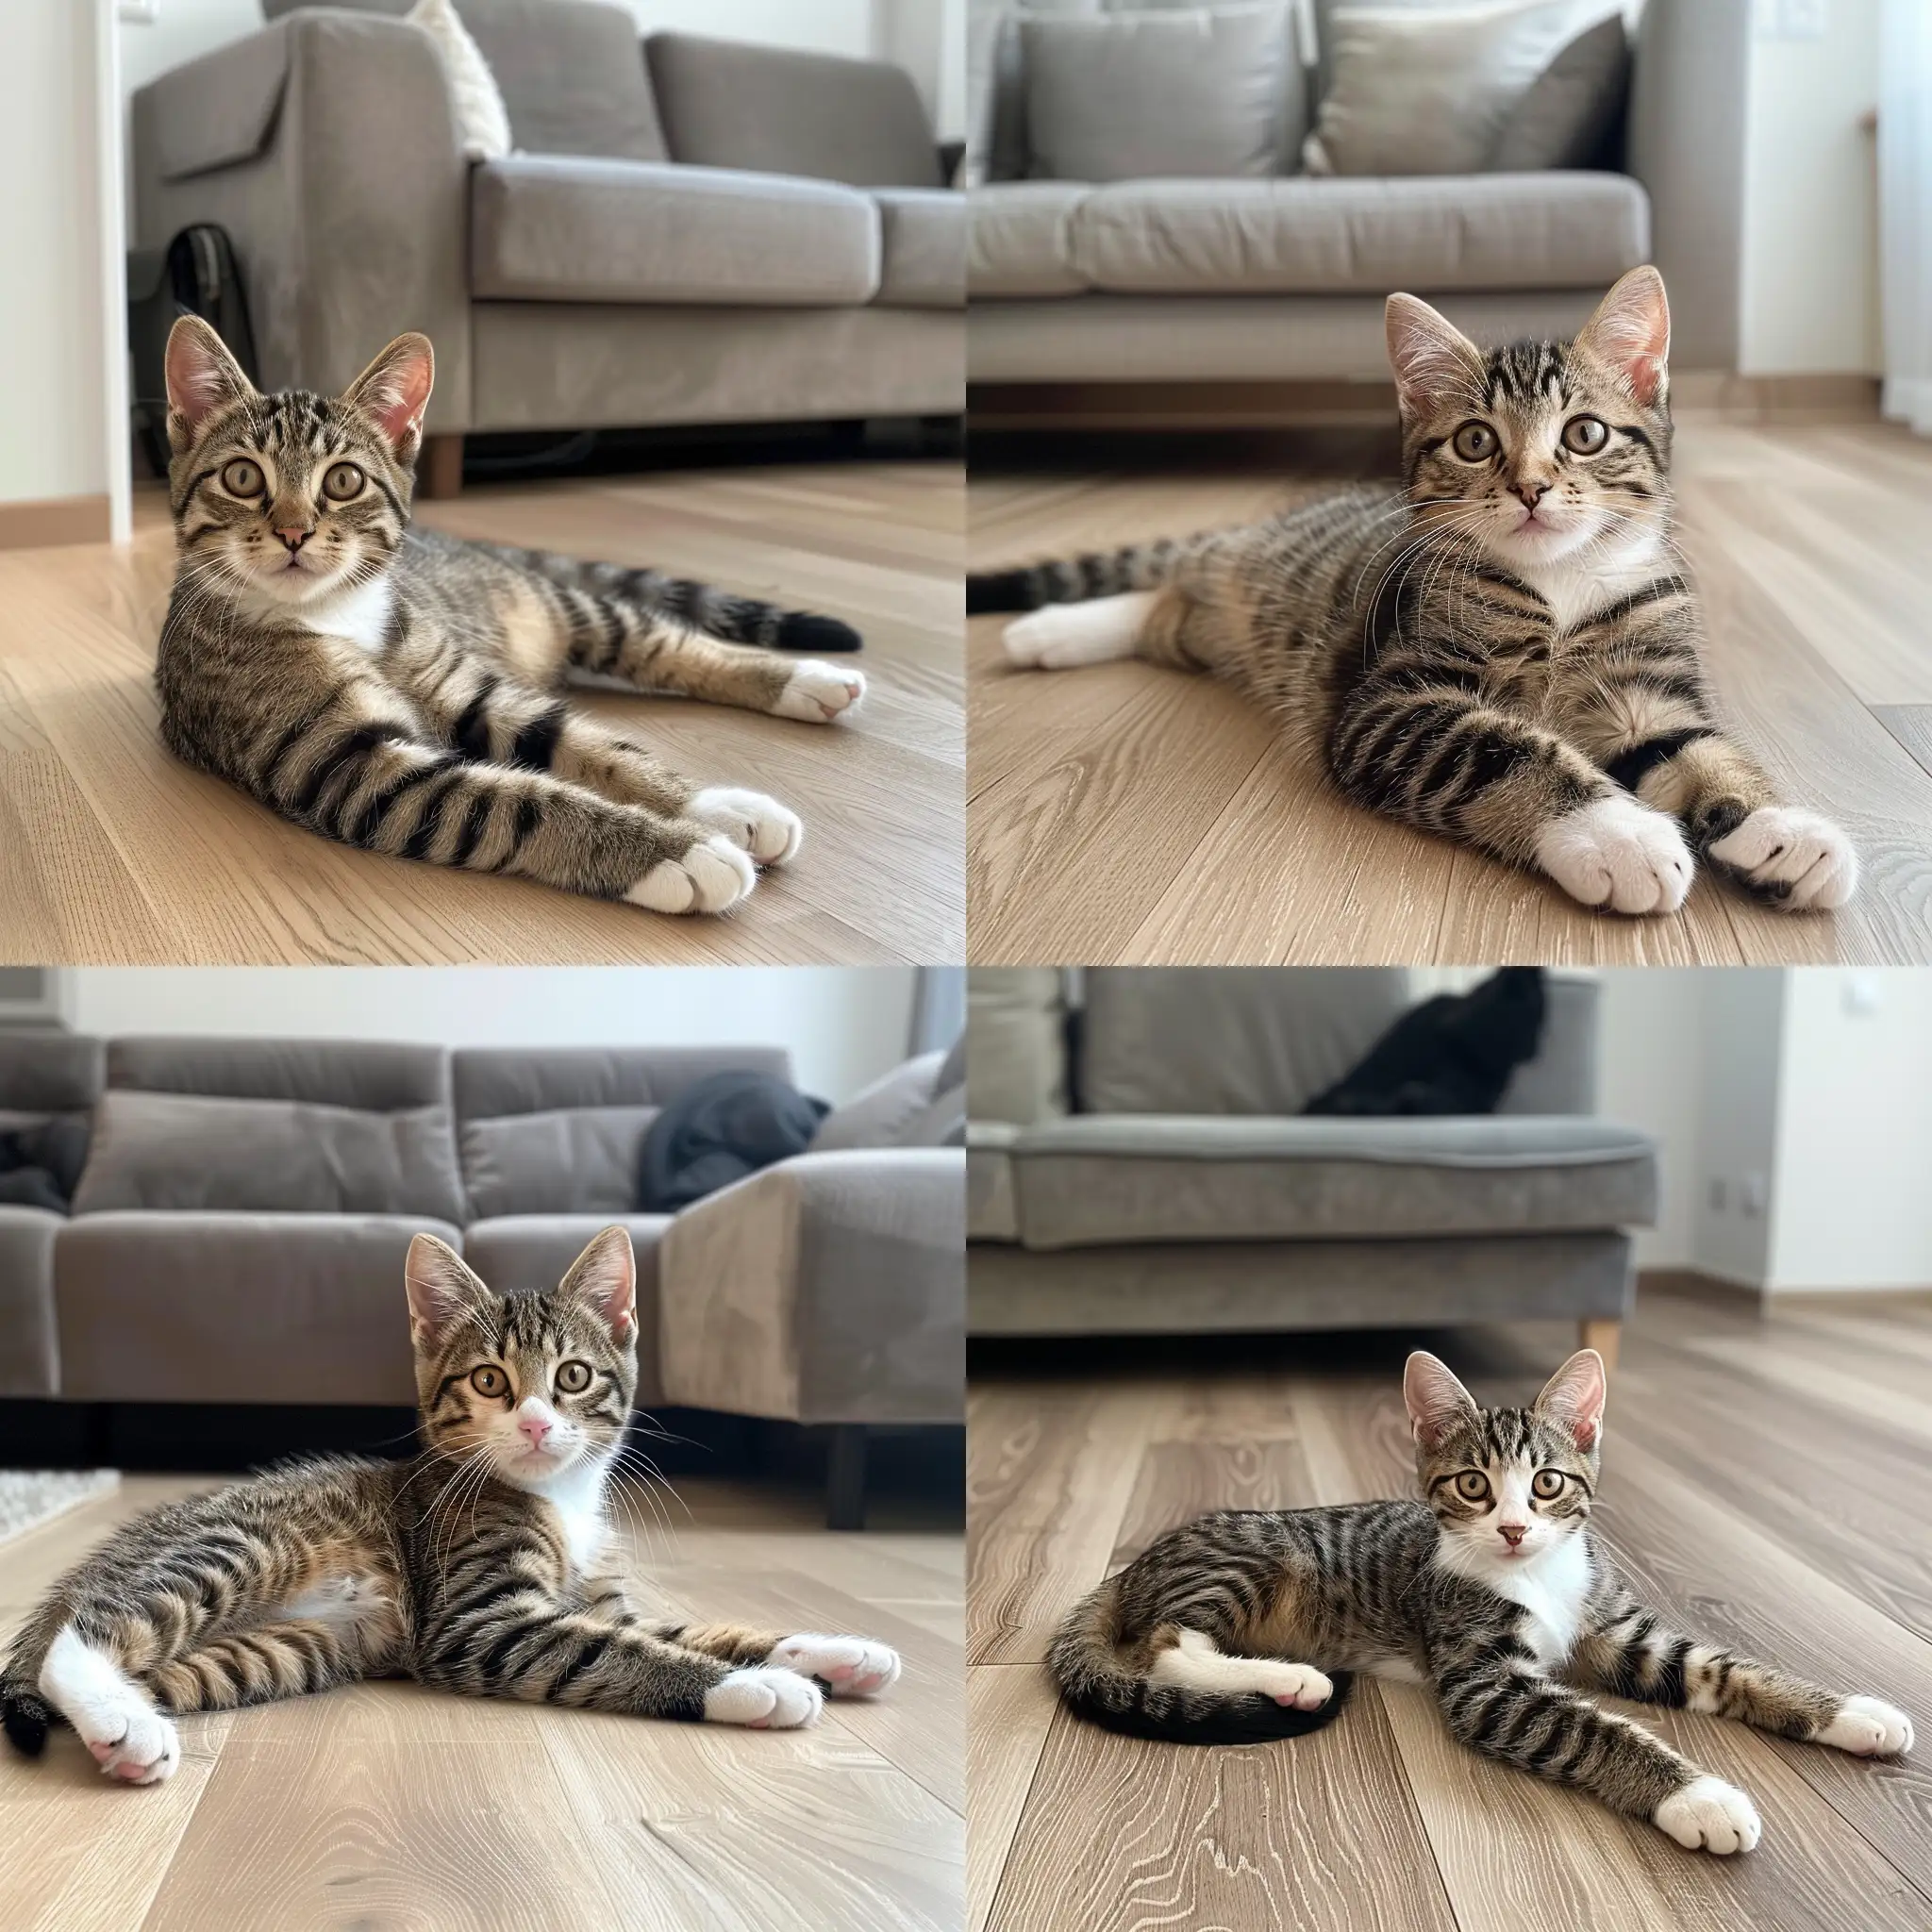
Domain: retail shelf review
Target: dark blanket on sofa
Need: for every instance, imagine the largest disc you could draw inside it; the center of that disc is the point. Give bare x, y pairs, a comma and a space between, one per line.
718, 1130
1453, 1054
40, 1165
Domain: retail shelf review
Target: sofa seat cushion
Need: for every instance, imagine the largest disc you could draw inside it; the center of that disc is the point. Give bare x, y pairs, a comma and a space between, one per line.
570, 228
520, 1253
922, 247
237, 1308
1021, 238
1119, 1178
1308, 237
1305, 235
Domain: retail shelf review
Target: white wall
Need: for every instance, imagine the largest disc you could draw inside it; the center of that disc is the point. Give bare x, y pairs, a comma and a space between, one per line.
1647, 1054
1740, 1080
180, 30
1810, 295
53, 425
844, 1026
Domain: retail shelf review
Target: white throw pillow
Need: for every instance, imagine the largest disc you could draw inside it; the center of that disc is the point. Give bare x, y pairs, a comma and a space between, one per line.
1430, 94
482, 119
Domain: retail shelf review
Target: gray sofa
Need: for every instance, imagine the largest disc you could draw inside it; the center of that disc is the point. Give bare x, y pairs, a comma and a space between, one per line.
1282, 279
690, 231
238, 1232
1163, 1180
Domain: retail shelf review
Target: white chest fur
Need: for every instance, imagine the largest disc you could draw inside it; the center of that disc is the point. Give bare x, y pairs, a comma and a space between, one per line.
361, 614
1575, 591
577, 1496
1553, 1590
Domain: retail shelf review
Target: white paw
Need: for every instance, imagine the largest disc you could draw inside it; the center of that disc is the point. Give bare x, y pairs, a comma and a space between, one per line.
147, 1749
1063, 636
1868, 1727
1300, 1685
1618, 852
1805, 855
765, 1699
1711, 1816
715, 873
818, 691
768, 830
851, 1665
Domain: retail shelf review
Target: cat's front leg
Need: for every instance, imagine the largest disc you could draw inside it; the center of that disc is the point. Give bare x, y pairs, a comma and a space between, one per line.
847, 1666
1448, 761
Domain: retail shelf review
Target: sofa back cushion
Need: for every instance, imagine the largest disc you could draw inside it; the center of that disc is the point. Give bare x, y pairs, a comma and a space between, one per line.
571, 71
1207, 91
570, 1160
1191, 1040
884, 1113
375, 1077
47, 1072
725, 104
188, 1152
1016, 1044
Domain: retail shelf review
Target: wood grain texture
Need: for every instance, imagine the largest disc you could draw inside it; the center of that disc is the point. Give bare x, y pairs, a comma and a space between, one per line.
386, 1805
1131, 815
1749, 1508
110, 852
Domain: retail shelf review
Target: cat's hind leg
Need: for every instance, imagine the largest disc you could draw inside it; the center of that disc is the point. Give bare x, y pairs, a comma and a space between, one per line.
847, 1666
268, 1662
1063, 637
1194, 1661
83, 1678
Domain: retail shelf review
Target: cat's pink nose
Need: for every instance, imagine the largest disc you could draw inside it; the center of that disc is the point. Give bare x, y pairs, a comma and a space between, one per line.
1531, 493
1512, 1533
293, 534
534, 1426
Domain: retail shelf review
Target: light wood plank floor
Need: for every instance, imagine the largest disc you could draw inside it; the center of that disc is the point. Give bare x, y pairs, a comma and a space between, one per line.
1127, 814
1763, 1482
110, 852
390, 1806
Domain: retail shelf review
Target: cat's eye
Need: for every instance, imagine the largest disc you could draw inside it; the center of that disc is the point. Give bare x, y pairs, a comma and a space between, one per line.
1585, 435
1547, 1483
242, 478
489, 1380
342, 481
1474, 441
573, 1377
1472, 1486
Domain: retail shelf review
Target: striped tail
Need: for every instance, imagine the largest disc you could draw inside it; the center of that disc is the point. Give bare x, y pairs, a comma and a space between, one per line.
1074, 579
1085, 1660
717, 613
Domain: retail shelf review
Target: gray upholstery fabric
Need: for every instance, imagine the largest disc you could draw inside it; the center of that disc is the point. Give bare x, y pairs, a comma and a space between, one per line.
571, 76
29, 1360
880, 1115
727, 104
1104, 1180
1209, 91
921, 247
46, 1073
580, 229
236, 1308
576, 1161
491, 1080
351, 222
1237, 338
376, 1076
235, 114
1253, 1286
1314, 237
1562, 1076
1566, 117
1190, 1040
830, 1288
991, 1212
189, 1152
560, 366
523, 1253
1016, 1043
1020, 240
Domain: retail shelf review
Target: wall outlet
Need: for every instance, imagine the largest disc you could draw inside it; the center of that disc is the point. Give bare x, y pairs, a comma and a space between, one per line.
1753, 1194
1720, 1195
1863, 994
1791, 20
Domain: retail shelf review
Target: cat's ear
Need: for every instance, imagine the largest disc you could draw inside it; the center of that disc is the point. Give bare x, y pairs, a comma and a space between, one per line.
395, 390
1438, 1402
202, 377
1630, 332
1432, 358
1573, 1397
442, 1290
605, 1279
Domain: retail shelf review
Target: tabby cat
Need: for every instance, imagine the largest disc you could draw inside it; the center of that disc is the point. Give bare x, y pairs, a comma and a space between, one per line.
1242, 1625
398, 690
1502, 651
480, 1566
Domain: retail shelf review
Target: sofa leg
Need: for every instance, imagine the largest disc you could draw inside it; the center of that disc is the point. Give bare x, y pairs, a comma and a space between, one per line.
439, 468
1601, 1336
845, 1477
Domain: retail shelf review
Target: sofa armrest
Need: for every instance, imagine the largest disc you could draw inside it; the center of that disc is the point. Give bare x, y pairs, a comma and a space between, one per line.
827, 1289
1686, 144
325, 145
1562, 1076
29, 1357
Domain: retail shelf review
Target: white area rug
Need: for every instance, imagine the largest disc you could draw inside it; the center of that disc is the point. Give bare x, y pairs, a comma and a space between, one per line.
29, 1497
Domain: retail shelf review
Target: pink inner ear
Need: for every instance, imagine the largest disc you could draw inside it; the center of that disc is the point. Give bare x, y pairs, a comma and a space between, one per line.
398, 402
